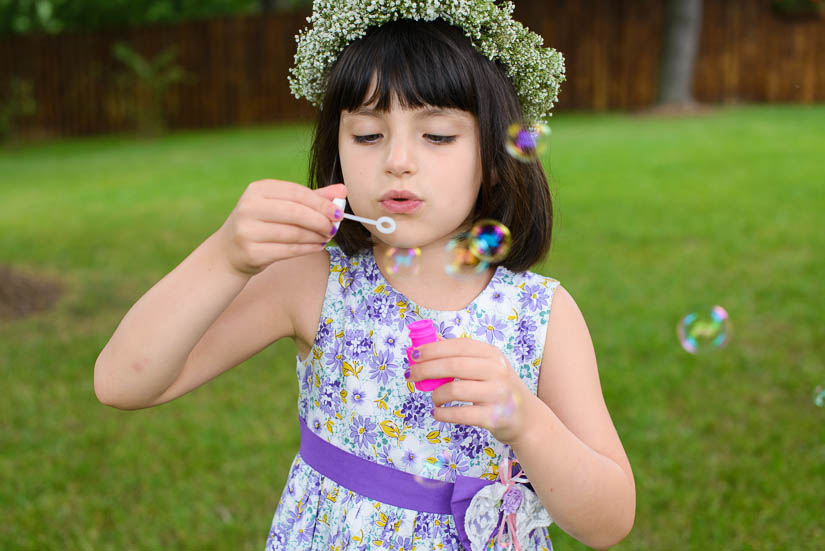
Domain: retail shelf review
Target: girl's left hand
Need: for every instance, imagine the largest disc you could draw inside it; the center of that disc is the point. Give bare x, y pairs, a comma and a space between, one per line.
499, 397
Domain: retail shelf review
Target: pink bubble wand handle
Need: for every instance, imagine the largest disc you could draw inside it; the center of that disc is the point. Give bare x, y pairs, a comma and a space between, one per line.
423, 332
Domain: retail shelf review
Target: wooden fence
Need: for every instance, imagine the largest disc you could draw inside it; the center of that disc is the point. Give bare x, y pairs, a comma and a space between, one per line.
238, 65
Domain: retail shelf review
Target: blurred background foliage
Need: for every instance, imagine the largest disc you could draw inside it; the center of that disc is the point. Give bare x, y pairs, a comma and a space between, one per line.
54, 16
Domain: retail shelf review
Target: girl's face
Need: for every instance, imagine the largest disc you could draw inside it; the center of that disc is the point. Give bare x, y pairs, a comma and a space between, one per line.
421, 166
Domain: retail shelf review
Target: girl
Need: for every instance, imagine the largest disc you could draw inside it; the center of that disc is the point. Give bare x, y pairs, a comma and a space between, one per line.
412, 125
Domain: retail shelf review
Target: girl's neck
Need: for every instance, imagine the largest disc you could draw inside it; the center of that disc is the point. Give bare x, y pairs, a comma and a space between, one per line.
432, 287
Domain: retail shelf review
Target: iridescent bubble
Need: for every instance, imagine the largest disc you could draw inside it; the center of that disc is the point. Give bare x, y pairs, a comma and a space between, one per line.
501, 411
526, 142
704, 330
459, 258
441, 460
819, 396
490, 240
402, 261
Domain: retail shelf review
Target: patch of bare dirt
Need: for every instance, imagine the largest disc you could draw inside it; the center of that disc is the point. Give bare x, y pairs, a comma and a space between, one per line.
22, 295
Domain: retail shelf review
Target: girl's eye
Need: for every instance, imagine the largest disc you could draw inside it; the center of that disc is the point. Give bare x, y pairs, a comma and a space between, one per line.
436, 139
370, 138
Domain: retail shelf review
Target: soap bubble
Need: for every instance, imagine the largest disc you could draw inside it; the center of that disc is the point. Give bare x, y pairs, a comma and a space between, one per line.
402, 261
502, 411
819, 396
490, 240
704, 330
442, 460
460, 260
526, 142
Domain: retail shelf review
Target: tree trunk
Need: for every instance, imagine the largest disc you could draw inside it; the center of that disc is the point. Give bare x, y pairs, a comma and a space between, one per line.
683, 27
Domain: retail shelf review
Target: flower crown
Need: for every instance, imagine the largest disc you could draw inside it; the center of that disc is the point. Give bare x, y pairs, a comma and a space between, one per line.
536, 72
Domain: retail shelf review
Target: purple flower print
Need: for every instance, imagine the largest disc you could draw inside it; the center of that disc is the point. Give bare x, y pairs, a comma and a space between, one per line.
361, 431
389, 525
446, 331
491, 328
323, 334
526, 325
524, 347
315, 423
497, 296
358, 397
330, 396
305, 534
382, 307
390, 341
403, 543
335, 356
401, 320
416, 409
371, 272
385, 458
359, 313
294, 517
467, 439
275, 541
451, 543
456, 464
358, 344
347, 497
381, 367
533, 297
409, 458
306, 380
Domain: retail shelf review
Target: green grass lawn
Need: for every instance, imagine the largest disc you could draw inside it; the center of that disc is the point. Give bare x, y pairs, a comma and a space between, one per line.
654, 218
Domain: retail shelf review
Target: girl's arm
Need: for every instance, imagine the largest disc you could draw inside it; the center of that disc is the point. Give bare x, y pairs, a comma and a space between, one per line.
571, 452
232, 296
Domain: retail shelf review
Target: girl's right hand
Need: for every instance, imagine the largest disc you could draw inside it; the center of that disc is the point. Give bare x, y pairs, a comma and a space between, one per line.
275, 220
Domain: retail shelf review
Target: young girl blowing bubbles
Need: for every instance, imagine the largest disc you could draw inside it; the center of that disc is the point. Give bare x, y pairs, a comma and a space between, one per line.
416, 99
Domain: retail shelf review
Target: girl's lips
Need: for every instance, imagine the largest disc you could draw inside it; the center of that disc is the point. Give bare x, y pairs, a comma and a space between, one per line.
400, 207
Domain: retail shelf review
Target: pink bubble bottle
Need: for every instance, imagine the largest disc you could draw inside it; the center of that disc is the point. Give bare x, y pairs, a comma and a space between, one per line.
423, 332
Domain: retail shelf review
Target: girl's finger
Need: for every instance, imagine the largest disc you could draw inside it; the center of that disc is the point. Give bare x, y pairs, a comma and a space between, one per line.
294, 214
296, 193
272, 232
457, 347
460, 367
477, 392
475, 415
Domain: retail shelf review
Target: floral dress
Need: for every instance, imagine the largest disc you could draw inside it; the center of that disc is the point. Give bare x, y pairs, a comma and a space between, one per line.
354, 395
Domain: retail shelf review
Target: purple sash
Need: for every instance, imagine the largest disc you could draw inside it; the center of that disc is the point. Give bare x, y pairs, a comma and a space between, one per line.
389, 485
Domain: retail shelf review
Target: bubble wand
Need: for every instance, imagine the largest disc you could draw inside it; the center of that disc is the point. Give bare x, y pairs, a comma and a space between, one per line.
384, 224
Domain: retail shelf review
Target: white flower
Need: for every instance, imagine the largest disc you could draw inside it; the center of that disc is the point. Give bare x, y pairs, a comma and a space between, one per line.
536, 72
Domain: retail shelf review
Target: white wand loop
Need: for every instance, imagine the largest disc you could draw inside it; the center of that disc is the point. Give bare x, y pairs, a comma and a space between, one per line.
385, 224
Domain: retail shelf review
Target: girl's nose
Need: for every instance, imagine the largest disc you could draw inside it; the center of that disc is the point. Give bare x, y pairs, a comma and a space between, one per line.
400, 159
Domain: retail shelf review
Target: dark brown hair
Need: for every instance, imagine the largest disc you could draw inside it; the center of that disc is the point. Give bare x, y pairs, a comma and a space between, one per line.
434, 64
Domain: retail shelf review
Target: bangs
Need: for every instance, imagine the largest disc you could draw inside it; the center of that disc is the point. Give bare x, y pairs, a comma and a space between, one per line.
417, 64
